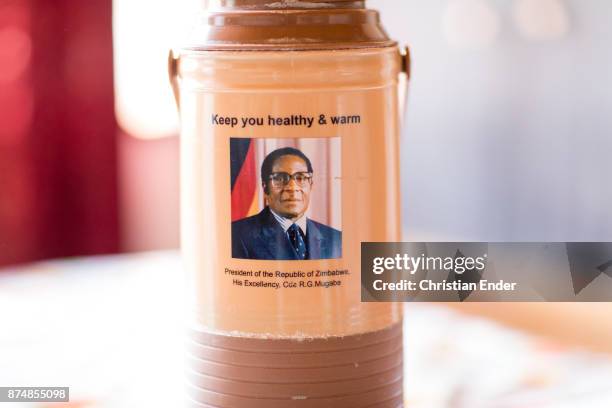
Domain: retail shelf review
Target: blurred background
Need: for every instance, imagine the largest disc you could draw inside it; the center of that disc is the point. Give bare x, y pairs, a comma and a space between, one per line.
506, 138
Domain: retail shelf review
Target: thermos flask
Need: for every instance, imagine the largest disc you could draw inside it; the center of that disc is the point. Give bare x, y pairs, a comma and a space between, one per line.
289, 161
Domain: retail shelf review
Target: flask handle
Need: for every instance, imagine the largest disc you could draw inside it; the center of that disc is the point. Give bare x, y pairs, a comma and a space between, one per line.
403, 83
173, 75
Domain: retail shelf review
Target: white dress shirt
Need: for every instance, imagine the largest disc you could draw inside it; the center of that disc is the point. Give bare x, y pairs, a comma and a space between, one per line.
286, 223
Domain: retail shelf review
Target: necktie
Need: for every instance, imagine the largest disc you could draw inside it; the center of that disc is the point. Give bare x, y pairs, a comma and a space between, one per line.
297, 240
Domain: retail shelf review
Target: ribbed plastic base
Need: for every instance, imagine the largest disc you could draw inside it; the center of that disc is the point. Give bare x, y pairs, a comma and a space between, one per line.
356, 371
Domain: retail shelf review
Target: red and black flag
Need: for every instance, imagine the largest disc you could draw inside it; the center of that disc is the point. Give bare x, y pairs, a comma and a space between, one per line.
244, 178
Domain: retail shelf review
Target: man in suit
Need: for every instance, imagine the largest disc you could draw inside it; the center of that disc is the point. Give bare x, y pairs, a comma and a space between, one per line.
282, 231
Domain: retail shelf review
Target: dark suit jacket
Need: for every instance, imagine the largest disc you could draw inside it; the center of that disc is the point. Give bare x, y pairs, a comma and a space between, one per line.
262, 237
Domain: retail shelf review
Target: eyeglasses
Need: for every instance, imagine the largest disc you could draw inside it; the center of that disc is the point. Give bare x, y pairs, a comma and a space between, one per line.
281, 179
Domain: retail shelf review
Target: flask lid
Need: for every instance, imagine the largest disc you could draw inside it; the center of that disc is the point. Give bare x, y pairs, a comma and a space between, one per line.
282, 4
287, 25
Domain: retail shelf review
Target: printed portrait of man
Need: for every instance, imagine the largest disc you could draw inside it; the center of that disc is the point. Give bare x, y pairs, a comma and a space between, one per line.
281, 231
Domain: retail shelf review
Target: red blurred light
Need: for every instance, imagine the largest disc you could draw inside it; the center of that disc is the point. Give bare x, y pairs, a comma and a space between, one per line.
16, 104
15, 53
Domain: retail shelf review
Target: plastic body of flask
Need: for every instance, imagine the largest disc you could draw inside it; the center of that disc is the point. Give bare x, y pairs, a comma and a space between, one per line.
289, 160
